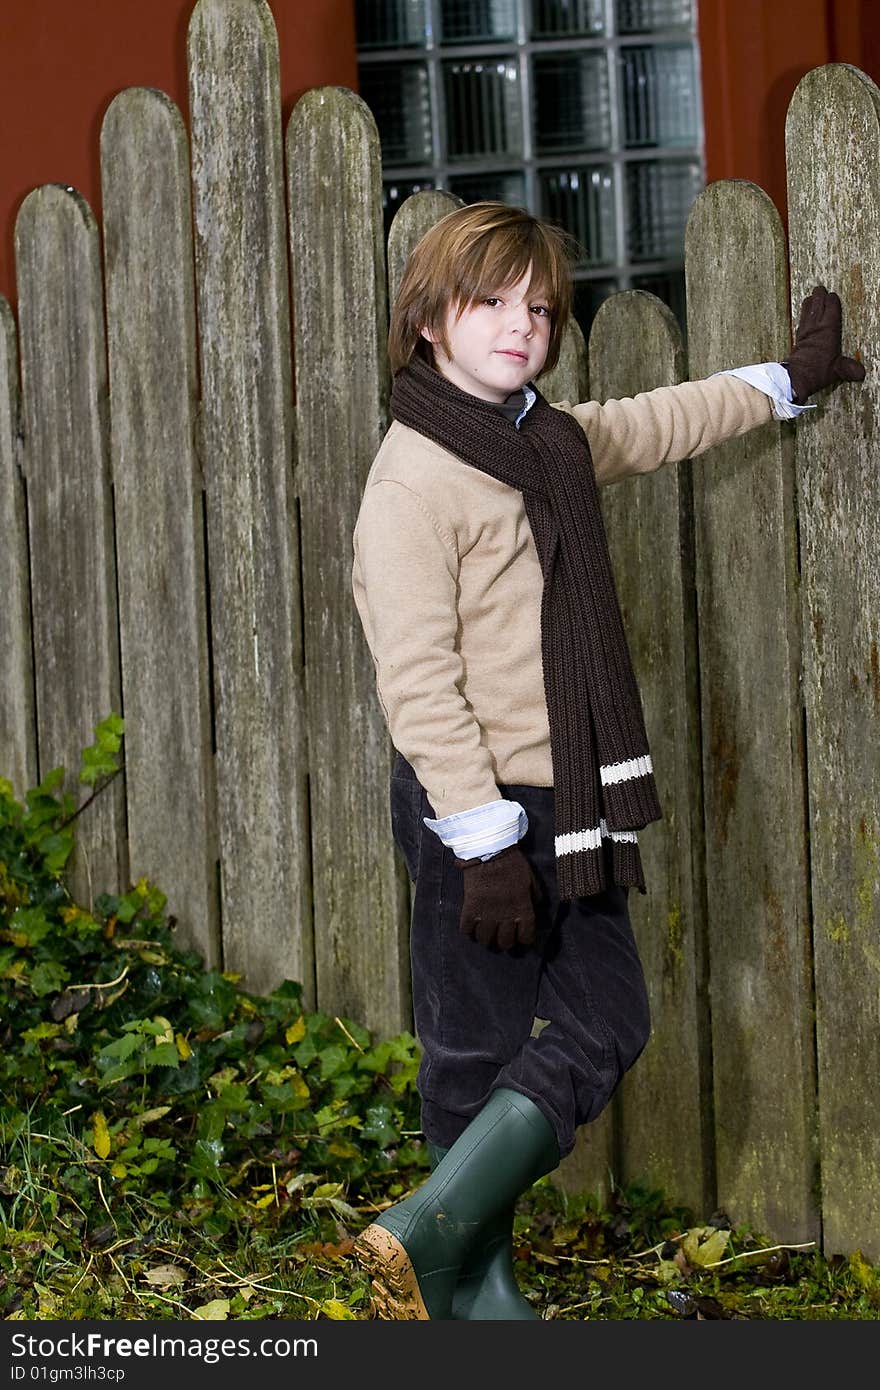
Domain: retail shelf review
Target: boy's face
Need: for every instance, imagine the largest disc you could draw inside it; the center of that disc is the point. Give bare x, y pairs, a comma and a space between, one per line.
497, 344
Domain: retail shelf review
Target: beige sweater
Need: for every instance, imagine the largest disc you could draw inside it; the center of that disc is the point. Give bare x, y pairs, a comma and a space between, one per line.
447, 584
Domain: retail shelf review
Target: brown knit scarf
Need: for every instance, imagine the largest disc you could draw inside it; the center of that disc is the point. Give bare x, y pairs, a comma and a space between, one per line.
602, 776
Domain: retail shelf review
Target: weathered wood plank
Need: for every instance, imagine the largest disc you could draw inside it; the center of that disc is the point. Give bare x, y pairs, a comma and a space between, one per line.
339, 294
569, 379
753, 755
415, 216
253, 559
70, 510
833, 157
18, 747
636, 345
159, 521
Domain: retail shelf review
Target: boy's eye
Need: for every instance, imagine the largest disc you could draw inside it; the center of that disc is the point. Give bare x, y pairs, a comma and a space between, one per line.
541, 309
491, 300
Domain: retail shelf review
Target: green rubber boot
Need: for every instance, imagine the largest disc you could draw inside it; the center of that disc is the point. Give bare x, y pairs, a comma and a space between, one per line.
487, 1289
416, 1250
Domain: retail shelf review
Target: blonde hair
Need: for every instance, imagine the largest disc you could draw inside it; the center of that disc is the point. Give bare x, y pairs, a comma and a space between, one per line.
473, 251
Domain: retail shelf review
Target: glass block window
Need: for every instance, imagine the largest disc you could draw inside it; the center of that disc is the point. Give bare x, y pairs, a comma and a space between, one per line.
647, 16
659, 195
586, 111
659, 95
483, 108
504, 187
572, 106
582, 200
399, 97
473, 21
556, 19
397, 25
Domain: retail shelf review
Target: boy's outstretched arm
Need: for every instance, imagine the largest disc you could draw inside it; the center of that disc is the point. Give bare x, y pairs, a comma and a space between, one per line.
638, 434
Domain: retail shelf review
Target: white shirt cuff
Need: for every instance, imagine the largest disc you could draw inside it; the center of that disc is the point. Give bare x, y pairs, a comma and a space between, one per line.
774, 381
482, 831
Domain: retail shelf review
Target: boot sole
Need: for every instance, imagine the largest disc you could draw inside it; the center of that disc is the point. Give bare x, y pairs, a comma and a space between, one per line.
396, 1294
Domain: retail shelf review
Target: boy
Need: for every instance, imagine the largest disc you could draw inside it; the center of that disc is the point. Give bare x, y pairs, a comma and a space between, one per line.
484, 585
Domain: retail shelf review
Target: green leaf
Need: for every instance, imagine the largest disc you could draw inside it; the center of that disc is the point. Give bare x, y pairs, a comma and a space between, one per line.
333, 1060
50, 782
163, 1055
48, 978
379, 1126
29, 926
154, 1027
359, 1033
56, 849
100, 759
119, 1048
128, 907
41, 1031
205, 1160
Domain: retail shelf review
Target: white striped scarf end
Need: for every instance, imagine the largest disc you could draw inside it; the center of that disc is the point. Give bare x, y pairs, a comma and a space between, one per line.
625, 771
577, 841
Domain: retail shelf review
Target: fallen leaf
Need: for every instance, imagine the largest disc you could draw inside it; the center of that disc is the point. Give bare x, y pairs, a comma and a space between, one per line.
711, 1250
332, 1308
704, 1245
215, 1311
165, 1276
100, 1135
149, 1116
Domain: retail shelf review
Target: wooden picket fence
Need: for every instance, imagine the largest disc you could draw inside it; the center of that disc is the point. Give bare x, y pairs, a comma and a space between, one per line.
177, 548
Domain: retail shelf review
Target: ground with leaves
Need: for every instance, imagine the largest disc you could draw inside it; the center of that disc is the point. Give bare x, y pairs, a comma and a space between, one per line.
175, 1147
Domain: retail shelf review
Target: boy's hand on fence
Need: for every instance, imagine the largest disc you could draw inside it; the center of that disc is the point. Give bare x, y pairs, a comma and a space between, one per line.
500, 897
815, 360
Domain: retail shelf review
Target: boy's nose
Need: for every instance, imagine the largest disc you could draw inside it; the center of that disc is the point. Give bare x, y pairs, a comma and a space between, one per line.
521, 320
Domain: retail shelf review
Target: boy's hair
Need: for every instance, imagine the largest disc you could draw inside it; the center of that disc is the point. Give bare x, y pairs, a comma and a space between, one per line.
473, 251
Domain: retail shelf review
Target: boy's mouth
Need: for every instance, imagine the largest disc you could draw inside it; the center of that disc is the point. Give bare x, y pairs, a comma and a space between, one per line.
511, 352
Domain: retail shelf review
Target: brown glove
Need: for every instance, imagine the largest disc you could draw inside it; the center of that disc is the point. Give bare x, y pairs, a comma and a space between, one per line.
815, 360
500, 897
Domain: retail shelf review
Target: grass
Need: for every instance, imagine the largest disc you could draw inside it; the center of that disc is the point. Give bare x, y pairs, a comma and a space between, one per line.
98, 1254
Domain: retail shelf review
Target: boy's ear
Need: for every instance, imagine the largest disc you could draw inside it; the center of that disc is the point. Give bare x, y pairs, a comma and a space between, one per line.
429, 335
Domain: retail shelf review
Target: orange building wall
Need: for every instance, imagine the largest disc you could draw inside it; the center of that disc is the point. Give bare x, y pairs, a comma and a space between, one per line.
753, 53
63, 61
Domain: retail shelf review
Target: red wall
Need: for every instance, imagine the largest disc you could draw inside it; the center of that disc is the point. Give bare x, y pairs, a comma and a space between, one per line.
753, 54
63, 61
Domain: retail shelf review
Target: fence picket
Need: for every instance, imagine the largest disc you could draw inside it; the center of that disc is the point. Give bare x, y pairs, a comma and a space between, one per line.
253, 560
753, 757
415, 216
833, 155
636, 345
70, 509
158, 495
17, 731
340, 315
